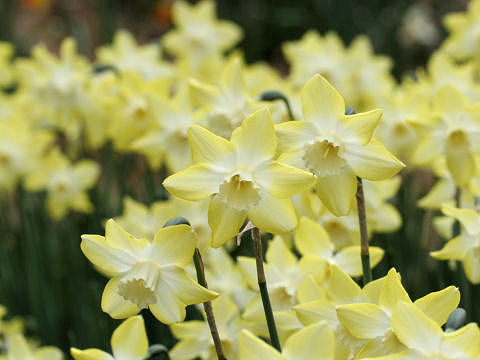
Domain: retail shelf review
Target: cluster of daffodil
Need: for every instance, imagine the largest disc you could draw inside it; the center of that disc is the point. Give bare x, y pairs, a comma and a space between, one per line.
315, 170
14, 345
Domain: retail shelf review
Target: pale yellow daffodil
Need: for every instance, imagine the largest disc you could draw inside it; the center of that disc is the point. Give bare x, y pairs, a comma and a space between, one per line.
425, 339
466, 246
198, 33
222, 107
146, 274
245, 178
335, 147
66, 183
371, 321
129, 342
312, 240
19, 349
453, 132
167, 140
125, 55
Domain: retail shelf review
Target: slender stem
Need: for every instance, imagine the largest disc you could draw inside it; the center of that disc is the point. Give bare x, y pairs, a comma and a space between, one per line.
426, 229
362, 221
262, 284
463, 281
458, 204
197, 259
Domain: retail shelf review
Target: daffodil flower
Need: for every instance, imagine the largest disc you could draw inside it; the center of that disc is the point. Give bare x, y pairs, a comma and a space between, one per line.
66, 183
19, 349
312, 240
129, 342
466, 246
244, 178
452, 131
335, 147
198, 33
146, 274
341, 290
223, 106
125, 55
370, 321
424, 338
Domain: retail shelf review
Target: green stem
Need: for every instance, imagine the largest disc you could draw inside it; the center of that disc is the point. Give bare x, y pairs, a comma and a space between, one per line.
362, 221
197, 260
262, 284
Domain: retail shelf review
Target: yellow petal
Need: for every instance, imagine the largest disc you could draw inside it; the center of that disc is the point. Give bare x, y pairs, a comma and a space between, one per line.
392, 291
114, 304
455, 249
294, 134
313, 342
312, 239
184, 287
468, 217
465, 340
51, 353
342, 288
195, 183
441, 193
207, 147
372, 161
439, 305
449, 99
337, 192
362, 125
169, 309
202, 94
224, 221
231, 78
461, 165
107, 259
19, 348
315, 311
321, 103
350, 261
86, 173
471, 265
364, 321
279, 255
252, 348
116, 236
415, 330
428, 149
276, 216
282, 181
90, 354
129, 340
174, 245
255, 139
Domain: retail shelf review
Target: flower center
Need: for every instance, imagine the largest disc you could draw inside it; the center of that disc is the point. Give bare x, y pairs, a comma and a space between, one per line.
283, 296
139, 285
458, 140
239, 192
4, 160
323, 158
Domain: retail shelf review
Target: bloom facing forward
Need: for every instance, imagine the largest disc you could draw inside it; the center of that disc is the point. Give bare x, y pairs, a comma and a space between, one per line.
146, 274
334, 146
244, 177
